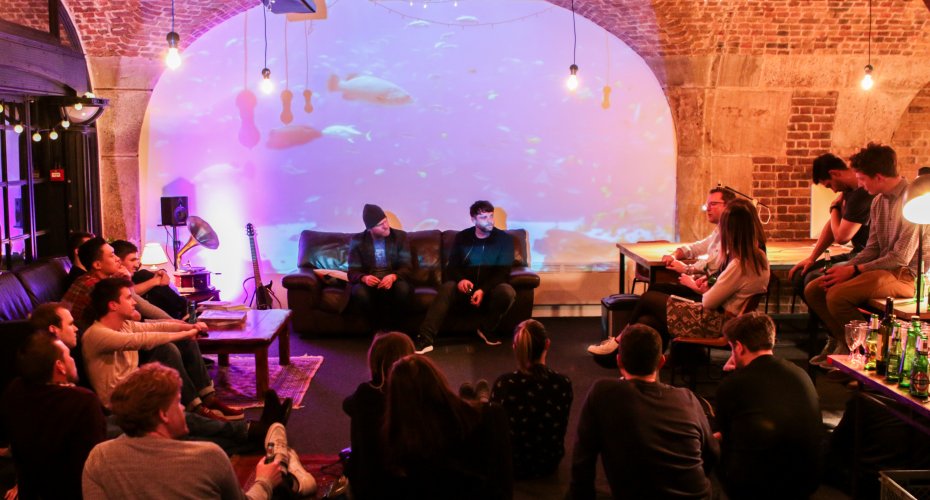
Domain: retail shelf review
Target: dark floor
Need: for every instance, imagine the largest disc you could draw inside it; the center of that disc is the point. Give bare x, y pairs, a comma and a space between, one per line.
321, 426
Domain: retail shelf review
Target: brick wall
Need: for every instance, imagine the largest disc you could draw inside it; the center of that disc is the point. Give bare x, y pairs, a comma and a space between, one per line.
912, 138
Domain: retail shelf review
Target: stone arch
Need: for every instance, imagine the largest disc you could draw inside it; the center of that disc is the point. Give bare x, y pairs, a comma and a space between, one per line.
911, 140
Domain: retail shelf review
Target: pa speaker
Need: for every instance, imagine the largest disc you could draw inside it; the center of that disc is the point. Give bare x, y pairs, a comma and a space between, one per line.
174, 210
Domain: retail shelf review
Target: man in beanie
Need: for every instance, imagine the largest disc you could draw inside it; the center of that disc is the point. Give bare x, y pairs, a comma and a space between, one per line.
379, 265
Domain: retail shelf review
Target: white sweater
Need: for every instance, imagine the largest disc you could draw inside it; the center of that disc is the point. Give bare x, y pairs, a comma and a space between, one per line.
734, 288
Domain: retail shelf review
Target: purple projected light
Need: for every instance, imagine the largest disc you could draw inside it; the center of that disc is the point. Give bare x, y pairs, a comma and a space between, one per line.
422, 113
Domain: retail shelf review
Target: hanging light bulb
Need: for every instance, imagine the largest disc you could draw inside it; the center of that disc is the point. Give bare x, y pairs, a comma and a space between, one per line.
266, 85
867, 81
53, 135
173, 58
36, 137
78, 106
572, 81
65, 124
18, 128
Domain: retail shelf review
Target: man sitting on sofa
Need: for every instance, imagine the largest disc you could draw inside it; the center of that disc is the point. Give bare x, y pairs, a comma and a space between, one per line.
154, 286
478, 270
379, 265
75, 240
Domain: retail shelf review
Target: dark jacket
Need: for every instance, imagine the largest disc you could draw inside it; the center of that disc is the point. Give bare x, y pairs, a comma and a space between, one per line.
485, 262
362, 255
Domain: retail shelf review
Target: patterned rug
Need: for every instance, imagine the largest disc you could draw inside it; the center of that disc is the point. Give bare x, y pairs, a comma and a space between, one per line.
235, 384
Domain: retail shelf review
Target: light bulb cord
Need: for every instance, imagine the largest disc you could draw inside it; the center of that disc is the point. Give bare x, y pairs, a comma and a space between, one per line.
265, 21
870, 32
574, 34
172, 16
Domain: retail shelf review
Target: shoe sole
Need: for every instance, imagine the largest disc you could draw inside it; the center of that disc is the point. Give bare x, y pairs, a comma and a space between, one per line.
425, 350
486, 341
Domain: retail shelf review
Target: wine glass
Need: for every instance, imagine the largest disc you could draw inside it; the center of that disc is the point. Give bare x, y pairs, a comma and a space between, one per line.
854, 341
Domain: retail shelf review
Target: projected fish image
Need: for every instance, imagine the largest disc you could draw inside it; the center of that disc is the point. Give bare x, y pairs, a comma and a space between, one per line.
291, 136
369, 89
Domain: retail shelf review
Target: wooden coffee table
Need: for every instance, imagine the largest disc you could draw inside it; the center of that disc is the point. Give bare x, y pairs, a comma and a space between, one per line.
260, 330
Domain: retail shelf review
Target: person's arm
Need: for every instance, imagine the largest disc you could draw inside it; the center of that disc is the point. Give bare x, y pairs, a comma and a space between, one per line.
872, 247
498, 268
149, 310
857, 206
99, 338
728, 283
823, 242
698, 248
710, 447
160, 278
584, 457
901, 252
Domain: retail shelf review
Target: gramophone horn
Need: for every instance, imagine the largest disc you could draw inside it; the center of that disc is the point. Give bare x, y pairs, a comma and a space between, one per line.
201, 234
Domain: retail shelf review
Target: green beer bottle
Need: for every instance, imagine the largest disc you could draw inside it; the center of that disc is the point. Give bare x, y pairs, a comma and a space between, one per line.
920, 378
893, 367
910, 352
888, 322
871, 343
827, 261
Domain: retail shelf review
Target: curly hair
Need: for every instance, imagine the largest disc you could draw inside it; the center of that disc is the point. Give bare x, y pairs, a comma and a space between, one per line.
138, 399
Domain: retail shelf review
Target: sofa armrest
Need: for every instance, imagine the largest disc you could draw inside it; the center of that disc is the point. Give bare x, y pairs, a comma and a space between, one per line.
303, 279
521, 277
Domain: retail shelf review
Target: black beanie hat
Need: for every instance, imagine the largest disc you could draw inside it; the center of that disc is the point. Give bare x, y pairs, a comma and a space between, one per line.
372, 215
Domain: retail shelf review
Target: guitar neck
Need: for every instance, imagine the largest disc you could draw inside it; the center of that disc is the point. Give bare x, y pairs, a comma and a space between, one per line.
255, 270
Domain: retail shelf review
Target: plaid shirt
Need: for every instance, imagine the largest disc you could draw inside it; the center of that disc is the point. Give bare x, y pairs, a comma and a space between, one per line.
78, 296
892, 239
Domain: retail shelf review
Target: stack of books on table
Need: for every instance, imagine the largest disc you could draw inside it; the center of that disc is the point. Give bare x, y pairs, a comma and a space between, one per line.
222, 318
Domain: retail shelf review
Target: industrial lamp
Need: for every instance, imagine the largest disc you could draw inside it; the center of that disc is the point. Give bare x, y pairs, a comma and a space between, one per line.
917, 210
79, 110
153, 255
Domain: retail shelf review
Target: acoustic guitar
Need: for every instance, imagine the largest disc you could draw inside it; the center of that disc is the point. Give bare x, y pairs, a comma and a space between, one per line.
263, 295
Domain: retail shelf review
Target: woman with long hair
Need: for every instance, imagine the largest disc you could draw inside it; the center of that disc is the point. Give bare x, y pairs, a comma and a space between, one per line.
365, 408
537, 401
744, 272
439, 445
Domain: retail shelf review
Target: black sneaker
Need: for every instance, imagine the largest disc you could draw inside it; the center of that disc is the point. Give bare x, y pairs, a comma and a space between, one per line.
423, 346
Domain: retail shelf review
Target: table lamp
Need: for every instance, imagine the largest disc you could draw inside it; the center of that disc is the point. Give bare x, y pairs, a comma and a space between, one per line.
917, 210
153, 255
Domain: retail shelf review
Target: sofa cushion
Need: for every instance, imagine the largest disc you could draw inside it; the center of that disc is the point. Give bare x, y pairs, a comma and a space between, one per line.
44, 280
323, 250
426, 258
15, 303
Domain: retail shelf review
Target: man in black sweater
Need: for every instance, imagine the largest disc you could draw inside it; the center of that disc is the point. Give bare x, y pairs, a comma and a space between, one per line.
379, 266
654, 439
769, 418
478, 270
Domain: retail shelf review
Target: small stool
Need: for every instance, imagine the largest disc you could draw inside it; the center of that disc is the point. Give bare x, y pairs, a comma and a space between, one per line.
615, 312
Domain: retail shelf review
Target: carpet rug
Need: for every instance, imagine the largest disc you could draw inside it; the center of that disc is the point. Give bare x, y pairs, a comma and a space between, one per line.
235, 384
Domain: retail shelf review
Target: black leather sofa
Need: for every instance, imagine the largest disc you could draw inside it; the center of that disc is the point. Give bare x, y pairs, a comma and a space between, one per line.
315, 299
20, 292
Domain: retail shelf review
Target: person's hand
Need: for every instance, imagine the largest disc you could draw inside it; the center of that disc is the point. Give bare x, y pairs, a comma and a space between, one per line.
270, 472
701, 284
688, 281
136, 315
836, 275
466, 286
476, 297
838, 200
370, 280
387, 281
666, 259
718, 436
12, 493
191, 334
122, 273
200, 326
802, 266
164, 279
677, 266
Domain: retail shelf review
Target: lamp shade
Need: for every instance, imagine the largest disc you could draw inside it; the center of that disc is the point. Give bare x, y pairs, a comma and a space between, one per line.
153, 255
917, 200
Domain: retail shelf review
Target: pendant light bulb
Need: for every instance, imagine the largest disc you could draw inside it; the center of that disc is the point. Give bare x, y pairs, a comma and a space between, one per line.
65, 124
78, 106
266, 85
867, 82
36, 137
173, 58
18, 128
572, 82
53, 135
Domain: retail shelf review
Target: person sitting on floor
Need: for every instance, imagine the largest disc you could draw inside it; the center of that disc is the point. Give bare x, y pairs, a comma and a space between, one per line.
654, 440
744, 273
52, 424
365, 408
153, 286
768, 415
537, 400
439, 445
112, 343
151, 461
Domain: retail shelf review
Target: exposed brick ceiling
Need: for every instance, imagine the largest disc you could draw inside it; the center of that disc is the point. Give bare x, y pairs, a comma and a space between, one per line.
651, 27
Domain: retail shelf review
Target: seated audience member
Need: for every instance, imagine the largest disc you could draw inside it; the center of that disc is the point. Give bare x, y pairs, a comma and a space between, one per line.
537, 401
706, 252
769, 418
379, 266
365, 408
52, 424
75, 240
151, 461
479, 272
437, 444
744, 273
153, 286
654, 440
55, 318
112, 343
886, 267
101, 262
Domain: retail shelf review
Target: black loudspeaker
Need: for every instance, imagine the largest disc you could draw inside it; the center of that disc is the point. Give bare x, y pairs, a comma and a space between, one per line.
174, 210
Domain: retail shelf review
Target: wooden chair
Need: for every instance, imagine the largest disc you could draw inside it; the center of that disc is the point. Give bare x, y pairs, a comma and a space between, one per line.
687, 348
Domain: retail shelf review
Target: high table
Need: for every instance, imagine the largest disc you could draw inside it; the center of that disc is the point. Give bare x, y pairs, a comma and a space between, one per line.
259, 331
782, 255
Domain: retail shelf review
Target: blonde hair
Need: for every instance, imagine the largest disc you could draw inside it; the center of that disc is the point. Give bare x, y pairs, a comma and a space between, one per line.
529, 343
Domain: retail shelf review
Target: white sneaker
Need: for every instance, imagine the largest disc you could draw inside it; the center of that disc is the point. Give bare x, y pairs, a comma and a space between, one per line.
276, 444
304, 484
606, 347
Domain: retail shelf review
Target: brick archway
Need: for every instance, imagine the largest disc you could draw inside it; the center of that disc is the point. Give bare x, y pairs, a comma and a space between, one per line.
912, 138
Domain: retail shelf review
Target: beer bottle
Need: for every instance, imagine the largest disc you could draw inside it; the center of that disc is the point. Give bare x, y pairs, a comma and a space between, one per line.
191, 312
827, 261
871, 344
910, 352
920, 378
893, 365
887, 327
